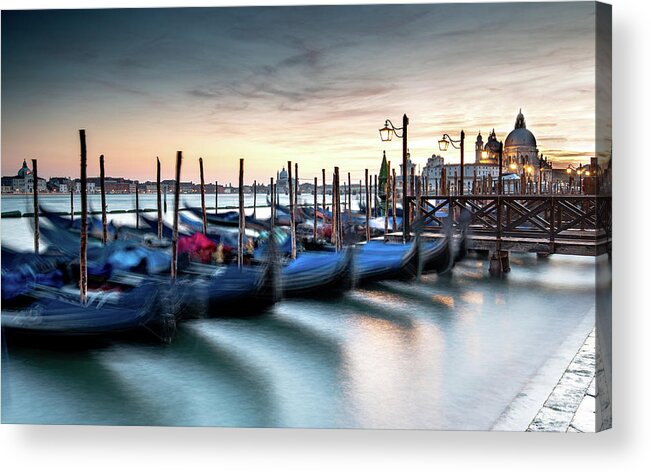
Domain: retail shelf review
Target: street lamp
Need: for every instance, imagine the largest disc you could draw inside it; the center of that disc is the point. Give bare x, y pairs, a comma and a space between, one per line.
444, 142
386, 134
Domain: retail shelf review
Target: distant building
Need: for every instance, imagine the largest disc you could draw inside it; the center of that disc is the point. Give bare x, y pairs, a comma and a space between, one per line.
282, 180
22, 182
59, 184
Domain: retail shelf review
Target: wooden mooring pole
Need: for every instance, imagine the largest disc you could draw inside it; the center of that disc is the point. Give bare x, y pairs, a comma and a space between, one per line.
350, 199
202, 188
296, 187
35, 195
175, 229
217, 197
386, 199
102, 188
394, 198
315, 209
159, 207
292, 223
272, 217
255, 197
368, 205
375, 213
137, 205
83, 235
72, 202
240, 234
324, 195
334, 238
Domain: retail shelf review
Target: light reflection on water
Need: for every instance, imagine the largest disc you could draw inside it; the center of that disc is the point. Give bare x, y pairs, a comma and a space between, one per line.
449, 352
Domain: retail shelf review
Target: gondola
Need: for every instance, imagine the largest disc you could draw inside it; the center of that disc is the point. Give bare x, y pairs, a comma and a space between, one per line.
315, 273
377, 260
231, 291
57, 312
436, 256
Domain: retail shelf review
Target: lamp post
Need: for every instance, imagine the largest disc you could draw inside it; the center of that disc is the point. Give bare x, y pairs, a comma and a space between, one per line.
444, 142
386, 134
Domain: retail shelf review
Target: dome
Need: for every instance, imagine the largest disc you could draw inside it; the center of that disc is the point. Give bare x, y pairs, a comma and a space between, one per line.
520, 137
24, 170
492, 144
283, 174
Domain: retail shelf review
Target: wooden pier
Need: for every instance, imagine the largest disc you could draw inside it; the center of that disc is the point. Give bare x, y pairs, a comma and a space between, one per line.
544, 224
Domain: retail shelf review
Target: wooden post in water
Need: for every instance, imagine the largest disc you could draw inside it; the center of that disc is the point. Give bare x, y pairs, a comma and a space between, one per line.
272, 197
83, 235
292, 223
418, 195
315, 205
340, 222
368, 205
102, 188
165, 190
296, 186
35, 194
324, 195
137, 206
175, 229
394, 198
159, 207
255, 198
375, 214
217, 197
202, 188
350, 199
240, 233
334, 237
72, 202
386, 199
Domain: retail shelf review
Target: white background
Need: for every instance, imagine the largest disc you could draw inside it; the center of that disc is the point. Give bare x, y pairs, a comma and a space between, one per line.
626, 447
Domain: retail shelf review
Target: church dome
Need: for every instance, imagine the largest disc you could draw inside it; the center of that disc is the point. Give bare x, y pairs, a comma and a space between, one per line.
492, 145
283, 174
24, 171
520, 136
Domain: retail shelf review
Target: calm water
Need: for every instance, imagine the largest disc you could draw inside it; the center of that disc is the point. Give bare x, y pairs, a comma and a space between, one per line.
448, 352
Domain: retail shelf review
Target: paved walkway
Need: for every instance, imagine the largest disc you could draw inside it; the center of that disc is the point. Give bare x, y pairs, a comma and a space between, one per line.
571, 405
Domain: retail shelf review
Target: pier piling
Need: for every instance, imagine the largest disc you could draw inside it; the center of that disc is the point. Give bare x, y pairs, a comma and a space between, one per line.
83, 235
137, 205
292, 222
315, 209
72, 203
202, 189
35, 195
241, 226
368, 205
175, 230
255, 197
103, 197
159, 208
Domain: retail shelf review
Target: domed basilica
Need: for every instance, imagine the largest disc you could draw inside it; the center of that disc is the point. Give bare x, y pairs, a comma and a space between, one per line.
520, 148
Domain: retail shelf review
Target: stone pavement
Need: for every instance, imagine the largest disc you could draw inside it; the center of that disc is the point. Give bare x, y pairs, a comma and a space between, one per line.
571, 405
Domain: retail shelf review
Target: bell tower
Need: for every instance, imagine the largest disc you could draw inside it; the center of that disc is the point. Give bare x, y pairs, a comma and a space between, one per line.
479, 147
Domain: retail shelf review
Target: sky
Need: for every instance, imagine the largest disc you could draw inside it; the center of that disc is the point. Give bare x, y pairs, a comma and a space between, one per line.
308, 84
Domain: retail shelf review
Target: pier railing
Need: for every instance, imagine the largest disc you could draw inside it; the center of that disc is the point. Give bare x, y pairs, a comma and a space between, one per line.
569, 224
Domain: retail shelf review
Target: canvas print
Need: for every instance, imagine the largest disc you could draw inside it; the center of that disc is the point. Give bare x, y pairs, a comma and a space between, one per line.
354, 216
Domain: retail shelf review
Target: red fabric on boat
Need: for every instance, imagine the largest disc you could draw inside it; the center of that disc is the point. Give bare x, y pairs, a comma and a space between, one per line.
198, 246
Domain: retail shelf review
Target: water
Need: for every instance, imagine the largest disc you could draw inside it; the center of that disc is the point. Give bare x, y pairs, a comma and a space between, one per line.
449, 352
